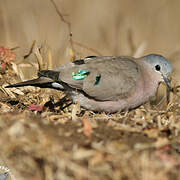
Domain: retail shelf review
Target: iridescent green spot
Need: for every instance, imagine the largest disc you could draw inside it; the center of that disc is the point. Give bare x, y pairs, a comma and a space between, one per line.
81, 74
98, 78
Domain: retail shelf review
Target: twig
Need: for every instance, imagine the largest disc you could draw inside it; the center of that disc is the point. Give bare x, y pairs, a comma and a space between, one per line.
14, 48
86, 47
68, 25
131, 42
35, 50
31, 50
73, 52
140, 50
50, 64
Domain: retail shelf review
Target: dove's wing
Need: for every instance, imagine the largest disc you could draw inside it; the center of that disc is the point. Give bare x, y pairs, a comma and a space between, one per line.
103, 78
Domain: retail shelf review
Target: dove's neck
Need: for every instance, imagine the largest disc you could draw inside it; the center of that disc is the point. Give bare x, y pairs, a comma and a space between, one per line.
150, 80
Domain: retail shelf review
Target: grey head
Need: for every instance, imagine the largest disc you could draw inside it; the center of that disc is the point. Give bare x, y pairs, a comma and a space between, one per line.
160, 65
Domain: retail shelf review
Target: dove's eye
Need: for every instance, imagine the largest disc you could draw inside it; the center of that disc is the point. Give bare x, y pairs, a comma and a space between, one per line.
157, 67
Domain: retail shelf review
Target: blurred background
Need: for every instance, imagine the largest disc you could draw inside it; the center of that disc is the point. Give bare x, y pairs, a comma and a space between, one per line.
103, 27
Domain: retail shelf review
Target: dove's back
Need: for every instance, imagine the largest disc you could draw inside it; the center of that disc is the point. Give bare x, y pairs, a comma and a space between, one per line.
109, 78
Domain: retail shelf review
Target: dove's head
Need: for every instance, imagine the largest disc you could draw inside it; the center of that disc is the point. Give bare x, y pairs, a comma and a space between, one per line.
160, 65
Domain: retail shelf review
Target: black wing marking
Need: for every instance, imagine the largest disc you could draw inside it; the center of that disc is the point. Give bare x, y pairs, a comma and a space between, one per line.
54, 75
79, 62
91, 57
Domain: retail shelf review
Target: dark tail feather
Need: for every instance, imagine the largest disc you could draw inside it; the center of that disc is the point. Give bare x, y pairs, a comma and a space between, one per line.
39, 82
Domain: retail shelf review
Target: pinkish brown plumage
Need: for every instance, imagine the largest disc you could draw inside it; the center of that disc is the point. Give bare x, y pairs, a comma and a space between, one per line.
107, 83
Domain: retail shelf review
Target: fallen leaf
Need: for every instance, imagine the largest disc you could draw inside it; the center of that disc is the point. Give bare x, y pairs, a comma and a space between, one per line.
87, 129
34, 107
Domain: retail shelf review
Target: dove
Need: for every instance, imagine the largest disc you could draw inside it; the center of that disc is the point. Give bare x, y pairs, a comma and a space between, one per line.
107, 83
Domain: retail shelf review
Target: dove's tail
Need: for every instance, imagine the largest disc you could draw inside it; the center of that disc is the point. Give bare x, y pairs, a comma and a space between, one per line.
41, 82
47, 79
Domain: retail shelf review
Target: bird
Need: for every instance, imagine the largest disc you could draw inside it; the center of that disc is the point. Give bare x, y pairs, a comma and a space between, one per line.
107, 83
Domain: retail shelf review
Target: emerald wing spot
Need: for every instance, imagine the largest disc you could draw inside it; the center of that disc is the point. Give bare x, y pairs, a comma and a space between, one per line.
81, 74
98, 78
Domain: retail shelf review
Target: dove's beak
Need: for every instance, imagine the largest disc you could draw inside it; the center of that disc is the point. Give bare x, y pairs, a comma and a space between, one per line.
167, 81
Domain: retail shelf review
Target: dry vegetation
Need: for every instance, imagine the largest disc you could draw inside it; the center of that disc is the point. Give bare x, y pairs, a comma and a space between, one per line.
43, 136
